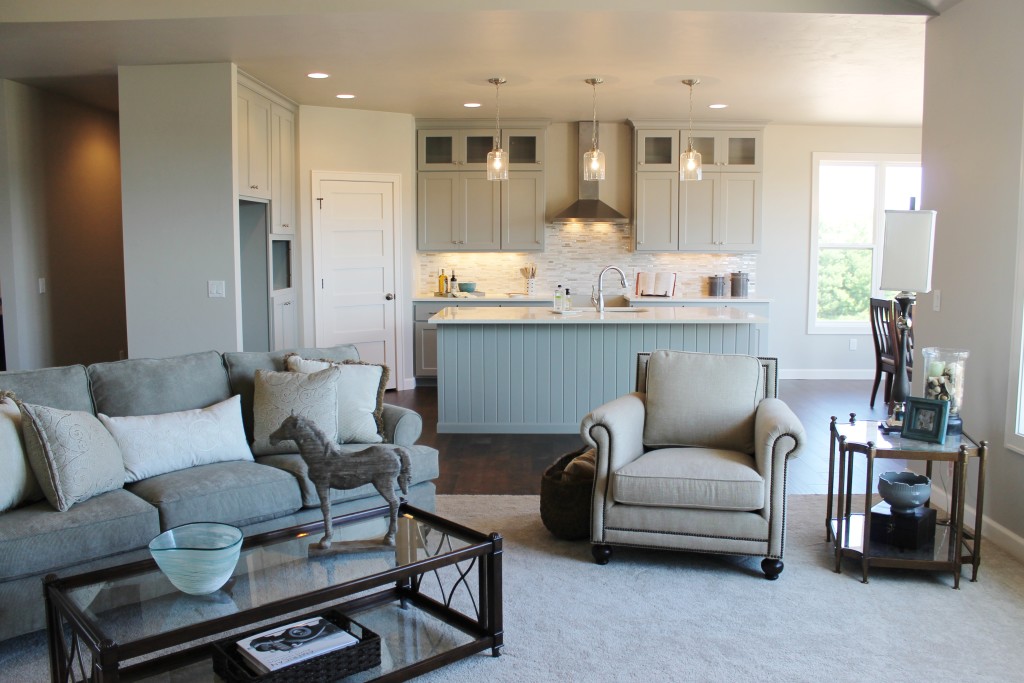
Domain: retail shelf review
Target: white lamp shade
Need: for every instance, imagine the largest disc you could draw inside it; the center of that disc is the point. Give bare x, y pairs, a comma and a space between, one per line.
593, 165
907, 251
497, 165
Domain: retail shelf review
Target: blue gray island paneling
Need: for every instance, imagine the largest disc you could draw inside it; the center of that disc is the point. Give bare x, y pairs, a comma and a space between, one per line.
532, 371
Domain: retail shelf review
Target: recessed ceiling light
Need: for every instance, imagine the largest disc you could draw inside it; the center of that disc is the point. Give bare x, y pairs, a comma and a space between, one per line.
318, 74
345, 96
471, 105
717, 106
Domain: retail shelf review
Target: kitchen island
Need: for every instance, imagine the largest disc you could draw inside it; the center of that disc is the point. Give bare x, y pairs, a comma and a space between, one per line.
530, 370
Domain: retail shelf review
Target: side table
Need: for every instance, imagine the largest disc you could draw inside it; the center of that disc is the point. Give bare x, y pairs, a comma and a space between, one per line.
850, 532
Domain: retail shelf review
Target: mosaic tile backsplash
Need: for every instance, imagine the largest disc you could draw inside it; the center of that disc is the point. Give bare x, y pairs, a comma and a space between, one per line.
573, 257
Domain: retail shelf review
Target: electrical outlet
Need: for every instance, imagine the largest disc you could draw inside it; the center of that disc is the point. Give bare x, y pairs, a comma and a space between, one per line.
936, 299
853, 343
42, 285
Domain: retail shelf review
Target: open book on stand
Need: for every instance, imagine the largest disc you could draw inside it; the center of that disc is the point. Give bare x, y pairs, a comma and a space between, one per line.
285, 645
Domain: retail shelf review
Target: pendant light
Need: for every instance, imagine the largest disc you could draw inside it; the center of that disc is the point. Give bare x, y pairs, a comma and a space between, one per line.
689, 160
497, 159
593, 161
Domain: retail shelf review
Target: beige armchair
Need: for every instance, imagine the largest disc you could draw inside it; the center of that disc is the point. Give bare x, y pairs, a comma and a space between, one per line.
695, 459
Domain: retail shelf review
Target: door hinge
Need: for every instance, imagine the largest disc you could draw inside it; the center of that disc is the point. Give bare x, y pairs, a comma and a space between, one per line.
321, 200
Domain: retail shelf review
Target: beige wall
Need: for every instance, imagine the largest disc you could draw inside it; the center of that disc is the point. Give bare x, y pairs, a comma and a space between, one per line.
179, 208
60, 219
783, 272
365, 142
972, 154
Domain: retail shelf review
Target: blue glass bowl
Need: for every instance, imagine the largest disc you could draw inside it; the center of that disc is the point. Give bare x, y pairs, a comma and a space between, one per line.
904, 491
198, 558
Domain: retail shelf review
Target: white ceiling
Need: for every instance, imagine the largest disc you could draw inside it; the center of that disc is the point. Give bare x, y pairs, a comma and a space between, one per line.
792, 61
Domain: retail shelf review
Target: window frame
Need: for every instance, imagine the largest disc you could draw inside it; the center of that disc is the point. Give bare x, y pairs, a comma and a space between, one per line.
1014, 432
880, 161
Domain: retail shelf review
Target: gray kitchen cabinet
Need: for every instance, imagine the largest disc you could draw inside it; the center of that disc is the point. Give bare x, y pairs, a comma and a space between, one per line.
253, 133
458, 209
657, 211
727, 151
657, 150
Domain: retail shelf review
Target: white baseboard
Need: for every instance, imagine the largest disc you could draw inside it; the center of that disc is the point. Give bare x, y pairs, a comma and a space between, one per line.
992, 532
812, 373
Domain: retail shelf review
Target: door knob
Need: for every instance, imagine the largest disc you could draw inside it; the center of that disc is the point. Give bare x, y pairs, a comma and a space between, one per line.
389, 296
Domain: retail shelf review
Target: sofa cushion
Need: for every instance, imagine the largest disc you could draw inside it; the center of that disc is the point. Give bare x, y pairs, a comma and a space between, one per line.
18, 484
422, 464
71, 453
36, 538
701, 399
236, 493
360, 396
157, 444
66, 388
281, 394
242, 367
151, 386
704, 478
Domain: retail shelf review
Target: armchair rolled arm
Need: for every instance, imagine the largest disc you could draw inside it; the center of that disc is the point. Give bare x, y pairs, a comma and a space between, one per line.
778, 435
402, 426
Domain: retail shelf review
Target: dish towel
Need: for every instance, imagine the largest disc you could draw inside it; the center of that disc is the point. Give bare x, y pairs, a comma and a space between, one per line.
655, 283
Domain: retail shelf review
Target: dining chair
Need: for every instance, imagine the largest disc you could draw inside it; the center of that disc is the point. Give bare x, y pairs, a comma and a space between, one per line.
883, 333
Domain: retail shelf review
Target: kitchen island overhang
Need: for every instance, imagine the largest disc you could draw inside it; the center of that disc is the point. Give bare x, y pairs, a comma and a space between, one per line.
533, 371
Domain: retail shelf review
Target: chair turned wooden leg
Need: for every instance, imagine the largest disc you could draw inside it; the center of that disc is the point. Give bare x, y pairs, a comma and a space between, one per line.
602, 553
874, 387
771, 568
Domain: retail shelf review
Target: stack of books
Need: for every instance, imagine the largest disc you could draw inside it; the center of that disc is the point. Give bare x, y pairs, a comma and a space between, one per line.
293, 643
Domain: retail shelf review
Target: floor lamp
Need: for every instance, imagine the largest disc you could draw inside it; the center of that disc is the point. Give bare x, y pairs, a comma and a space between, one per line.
907, 267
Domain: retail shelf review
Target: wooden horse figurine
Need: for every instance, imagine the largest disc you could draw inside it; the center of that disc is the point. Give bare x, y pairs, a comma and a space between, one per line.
329, 468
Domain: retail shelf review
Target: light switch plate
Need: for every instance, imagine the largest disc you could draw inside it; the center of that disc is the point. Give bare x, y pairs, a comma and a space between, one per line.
215, 289
42, 285
936, 299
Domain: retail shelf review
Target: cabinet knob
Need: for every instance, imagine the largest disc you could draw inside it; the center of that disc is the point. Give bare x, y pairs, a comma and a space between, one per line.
389, 296
287, 303
285, 225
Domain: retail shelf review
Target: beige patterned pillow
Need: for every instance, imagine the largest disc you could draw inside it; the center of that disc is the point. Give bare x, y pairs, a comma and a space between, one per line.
72, 454
280, 394
18, 485
360, 396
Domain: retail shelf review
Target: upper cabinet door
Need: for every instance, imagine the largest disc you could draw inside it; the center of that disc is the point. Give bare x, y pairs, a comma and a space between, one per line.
728, 151
440, 219
522, 212
657, 150
253, 123
525, 148
282, 172
481, 213
440, 150
657, 211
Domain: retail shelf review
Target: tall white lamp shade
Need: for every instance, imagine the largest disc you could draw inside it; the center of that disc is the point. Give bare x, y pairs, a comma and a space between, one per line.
907, 251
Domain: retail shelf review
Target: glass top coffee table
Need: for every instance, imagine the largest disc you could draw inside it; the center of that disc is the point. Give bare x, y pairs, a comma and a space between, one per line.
433, 598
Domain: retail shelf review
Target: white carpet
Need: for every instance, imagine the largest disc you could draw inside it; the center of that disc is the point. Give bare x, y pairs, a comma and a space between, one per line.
666, 616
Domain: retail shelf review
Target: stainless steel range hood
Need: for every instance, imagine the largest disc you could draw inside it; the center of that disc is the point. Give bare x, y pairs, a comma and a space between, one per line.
588, 208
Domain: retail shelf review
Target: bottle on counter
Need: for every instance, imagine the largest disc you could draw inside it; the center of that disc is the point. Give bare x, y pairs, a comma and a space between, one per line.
567, 302
442, 283
559, 298
453, 283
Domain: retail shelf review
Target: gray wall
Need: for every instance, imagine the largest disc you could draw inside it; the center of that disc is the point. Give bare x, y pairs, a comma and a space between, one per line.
972, 154
179, 207
60, 219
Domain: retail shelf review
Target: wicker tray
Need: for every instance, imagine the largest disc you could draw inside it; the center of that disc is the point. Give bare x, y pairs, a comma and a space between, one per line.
565, 503
229, 664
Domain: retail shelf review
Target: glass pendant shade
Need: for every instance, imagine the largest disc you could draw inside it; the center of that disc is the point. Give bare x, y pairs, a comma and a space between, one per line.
497, 164
593, 165
689, 165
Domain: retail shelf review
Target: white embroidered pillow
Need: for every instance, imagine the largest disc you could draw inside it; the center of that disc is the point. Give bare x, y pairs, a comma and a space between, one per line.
157, 444
280, 394
18, 485
73, 455
360, 396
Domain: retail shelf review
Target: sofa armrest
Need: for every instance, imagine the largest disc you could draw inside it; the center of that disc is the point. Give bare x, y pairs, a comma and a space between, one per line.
778, 434
615, 431
402, 426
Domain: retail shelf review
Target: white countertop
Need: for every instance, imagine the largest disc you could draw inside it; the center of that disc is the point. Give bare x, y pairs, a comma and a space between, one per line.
588, 316
698, 299
488, 298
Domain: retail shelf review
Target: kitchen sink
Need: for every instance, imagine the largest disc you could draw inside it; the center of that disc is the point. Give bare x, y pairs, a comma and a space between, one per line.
624, 309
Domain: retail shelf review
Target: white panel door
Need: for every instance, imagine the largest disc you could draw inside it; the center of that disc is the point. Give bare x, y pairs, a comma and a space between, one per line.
356, 254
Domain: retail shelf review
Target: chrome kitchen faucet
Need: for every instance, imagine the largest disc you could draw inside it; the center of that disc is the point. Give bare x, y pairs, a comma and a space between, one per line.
597, 294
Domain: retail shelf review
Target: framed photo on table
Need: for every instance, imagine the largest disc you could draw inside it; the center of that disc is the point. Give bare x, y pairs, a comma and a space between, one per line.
925, 419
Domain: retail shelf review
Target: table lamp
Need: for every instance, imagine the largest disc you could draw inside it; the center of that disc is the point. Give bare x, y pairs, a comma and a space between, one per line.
907, 267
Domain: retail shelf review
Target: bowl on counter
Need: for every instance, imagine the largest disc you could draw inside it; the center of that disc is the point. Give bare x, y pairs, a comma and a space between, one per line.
467, 286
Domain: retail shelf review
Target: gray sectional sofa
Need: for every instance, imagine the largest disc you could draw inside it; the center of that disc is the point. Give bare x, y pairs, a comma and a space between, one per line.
114, 527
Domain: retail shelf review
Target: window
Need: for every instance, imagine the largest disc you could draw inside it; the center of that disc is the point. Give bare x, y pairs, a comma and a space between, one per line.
850, 193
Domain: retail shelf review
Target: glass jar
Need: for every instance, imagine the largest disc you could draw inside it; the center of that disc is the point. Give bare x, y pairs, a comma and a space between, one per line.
944, 377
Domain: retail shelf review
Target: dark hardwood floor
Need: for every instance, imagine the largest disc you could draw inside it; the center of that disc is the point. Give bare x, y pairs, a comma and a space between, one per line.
513, 463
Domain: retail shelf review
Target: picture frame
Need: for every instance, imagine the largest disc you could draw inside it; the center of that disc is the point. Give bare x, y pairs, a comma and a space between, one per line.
925, 419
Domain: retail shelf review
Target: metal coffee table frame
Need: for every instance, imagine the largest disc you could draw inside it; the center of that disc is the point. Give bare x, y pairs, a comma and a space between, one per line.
72, 634
850, 533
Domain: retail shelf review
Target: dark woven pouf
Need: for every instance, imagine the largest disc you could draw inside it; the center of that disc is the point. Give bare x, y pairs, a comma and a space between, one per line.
565, 502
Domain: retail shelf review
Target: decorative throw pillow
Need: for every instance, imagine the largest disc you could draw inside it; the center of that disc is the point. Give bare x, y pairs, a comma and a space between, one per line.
157, 444
18, 486
72, 454
280, 394
360, 396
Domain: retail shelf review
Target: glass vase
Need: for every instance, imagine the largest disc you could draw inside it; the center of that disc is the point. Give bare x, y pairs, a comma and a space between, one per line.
944, 380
